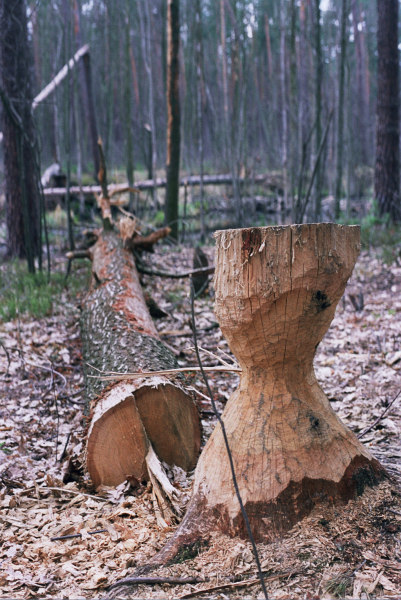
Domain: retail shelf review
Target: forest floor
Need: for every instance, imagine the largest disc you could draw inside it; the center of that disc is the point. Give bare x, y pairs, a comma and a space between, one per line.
351, 551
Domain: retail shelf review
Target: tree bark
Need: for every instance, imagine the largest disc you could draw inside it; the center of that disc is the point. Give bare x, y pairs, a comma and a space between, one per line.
361, 106
318, 109
129, 148
276, 293
21, 166
173, 117
340, 116
283, 95
387, 176
118, 335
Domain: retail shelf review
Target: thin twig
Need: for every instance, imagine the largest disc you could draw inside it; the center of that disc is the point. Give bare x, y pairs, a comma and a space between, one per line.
74, 492
55, 397
212, 355
156, 581
113, 376
71, 536
65, 447
226, 443
74, 254
235, 584
50, 369
365, 431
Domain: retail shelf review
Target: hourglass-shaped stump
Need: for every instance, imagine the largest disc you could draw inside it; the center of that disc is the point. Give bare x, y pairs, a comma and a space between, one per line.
276, 293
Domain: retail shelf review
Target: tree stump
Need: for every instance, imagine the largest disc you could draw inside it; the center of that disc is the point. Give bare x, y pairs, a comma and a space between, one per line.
276, 293
130, 417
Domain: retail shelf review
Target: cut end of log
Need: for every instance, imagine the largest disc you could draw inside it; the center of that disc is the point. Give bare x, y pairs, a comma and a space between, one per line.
131, 416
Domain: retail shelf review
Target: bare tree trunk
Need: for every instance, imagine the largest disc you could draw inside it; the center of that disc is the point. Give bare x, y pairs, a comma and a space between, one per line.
129, 165
92, 112
145, 27
173, 117
283, 90
303, 106
78, 134
199, 109
20, 150
361, 106
68, 116
318, 110
340, 116
268, 46
387, 169
224, 78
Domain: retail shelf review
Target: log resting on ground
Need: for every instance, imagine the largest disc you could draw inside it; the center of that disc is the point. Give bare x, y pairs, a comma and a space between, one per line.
118, 335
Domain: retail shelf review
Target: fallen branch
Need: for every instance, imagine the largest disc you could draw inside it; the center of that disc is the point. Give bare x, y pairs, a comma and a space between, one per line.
365, 431
62, 74
123, 190
146, 242
204, 271
74, 254
74, 492
156, 581
235, 584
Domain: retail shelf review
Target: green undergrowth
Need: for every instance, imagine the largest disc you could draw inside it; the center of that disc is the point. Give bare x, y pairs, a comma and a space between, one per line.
380, 235
38, 295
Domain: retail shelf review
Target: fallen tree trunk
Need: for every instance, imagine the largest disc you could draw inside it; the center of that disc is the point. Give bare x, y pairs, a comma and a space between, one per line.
129, 417
270, 181
276, 293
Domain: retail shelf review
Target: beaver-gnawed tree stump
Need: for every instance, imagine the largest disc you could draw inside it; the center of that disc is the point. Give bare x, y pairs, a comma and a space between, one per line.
276, 293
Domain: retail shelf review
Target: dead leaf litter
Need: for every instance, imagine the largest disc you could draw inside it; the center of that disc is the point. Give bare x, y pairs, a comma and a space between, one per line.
351, 551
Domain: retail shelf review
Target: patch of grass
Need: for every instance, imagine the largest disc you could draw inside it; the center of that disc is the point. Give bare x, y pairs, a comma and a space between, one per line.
5, 449
189, 551
36, 294
339, 585
158, 219
379, 233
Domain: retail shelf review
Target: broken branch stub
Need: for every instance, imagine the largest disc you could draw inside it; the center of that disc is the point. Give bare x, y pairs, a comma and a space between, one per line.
118, 335
276, 293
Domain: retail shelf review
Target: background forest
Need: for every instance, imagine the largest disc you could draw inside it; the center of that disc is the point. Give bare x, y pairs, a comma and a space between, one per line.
282, 87
210, 114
